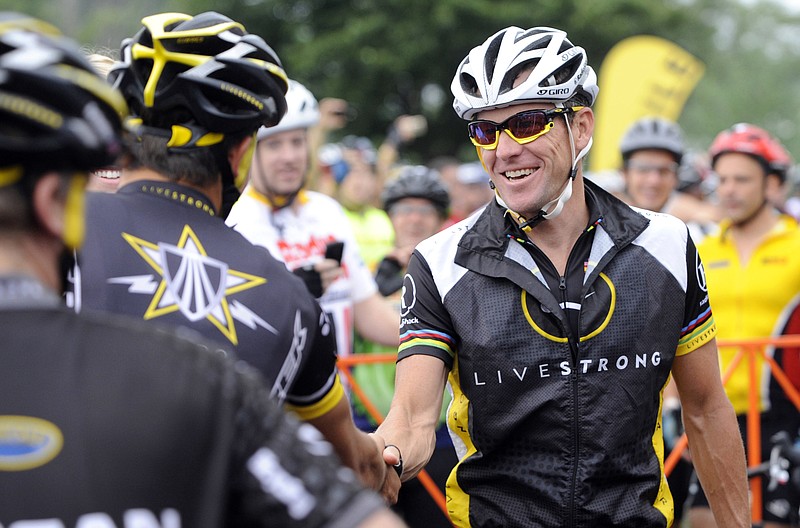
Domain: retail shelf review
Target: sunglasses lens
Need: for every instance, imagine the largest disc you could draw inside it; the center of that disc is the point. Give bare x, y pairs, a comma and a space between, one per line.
482, 132
527, 124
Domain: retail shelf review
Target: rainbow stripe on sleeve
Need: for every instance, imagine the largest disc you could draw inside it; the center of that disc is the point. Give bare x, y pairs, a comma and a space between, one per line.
698, 332
429, 338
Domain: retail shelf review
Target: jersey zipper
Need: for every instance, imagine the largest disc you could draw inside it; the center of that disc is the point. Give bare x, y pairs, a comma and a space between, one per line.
562, 286
573, 346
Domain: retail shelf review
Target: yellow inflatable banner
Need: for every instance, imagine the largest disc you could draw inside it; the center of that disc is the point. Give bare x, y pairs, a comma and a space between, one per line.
641, 76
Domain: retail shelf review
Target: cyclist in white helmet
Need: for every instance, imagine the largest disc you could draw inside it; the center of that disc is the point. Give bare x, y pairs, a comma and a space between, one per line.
556, 314
306, 229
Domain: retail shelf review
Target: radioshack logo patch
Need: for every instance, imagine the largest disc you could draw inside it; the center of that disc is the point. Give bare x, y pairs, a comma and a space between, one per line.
701, 273
408, 296
27, 442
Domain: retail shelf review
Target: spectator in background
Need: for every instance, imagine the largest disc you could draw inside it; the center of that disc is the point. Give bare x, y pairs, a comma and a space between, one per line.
334, 114
402, 132
447, 167
753, 277
471, 191
417, 203
351, 164
652, 149
308, 230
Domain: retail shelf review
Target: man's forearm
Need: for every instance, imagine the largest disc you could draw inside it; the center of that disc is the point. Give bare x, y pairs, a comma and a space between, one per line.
718, 456
411, 422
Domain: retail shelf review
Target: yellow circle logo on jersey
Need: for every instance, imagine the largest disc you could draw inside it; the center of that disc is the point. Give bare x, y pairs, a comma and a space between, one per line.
27, 442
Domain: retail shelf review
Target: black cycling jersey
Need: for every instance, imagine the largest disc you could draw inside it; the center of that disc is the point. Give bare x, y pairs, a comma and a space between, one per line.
556, 419
156, 251
105, 421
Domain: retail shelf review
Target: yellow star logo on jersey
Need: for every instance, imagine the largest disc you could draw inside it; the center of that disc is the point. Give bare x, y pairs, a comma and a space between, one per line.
192, 282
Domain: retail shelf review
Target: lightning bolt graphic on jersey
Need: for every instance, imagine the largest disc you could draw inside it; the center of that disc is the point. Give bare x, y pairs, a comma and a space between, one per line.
193, 283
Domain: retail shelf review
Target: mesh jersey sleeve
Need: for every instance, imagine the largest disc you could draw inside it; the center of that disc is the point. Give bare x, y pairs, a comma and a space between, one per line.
698, 322
317, 389
283, 473
425, 325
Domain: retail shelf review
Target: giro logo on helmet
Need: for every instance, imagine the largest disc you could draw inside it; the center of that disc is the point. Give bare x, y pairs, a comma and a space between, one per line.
554, 91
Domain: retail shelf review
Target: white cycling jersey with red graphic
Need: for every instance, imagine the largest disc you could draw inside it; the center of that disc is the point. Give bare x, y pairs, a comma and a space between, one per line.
298, 235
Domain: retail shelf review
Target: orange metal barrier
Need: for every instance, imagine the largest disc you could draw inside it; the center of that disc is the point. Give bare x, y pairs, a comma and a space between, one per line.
752, 348
345, 364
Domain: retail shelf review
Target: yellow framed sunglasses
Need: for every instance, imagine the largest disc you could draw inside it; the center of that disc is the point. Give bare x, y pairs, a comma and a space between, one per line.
523, 127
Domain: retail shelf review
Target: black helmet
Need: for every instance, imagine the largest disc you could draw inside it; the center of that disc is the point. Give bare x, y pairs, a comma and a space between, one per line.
653, 133
203, 72
417, 181
56, 112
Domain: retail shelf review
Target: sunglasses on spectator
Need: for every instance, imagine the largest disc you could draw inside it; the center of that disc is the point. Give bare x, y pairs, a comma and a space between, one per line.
523, 127
404, 209
644, 167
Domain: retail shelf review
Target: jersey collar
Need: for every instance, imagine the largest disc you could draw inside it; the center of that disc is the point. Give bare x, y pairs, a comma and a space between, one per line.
301, 198
19, 291
172, 191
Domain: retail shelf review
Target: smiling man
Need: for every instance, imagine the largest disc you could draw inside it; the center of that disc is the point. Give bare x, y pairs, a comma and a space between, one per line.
555, 271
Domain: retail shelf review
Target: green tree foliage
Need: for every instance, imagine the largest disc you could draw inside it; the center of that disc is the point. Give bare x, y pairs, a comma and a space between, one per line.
385, 56
389, 57
751, 73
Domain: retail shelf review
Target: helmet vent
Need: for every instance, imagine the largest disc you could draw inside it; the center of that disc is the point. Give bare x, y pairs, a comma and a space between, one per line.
565, 72
511, 76
490, 59
538, 44
469, 85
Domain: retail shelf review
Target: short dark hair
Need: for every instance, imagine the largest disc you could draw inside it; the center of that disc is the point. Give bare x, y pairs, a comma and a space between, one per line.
15, 209
16, 204
197, 166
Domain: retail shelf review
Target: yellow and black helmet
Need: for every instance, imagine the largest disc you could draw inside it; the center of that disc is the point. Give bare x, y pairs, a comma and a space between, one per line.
201, 77
56, 112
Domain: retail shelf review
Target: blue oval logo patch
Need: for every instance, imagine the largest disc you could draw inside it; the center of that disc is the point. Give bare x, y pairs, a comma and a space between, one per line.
27, 442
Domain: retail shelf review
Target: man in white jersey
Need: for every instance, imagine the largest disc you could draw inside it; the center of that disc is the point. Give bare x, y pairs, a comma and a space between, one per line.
297, 225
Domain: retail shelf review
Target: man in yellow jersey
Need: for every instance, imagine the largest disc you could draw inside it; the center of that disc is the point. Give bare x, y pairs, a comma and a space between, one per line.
753, 275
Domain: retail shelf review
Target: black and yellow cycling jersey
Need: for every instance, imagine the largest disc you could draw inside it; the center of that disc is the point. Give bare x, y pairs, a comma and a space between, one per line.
156, 251
108, 421
557, 394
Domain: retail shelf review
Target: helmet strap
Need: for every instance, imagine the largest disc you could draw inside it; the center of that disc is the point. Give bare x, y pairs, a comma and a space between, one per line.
230, 193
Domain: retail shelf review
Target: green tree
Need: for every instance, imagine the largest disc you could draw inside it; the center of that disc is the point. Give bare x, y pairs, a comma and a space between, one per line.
392, 57
388, 57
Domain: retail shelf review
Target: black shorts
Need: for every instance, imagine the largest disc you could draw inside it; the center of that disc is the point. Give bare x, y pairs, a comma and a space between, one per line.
781, 504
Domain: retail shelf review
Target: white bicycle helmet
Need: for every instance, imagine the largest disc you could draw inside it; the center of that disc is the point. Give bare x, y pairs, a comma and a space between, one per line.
653, 133
559, 72
302, 112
